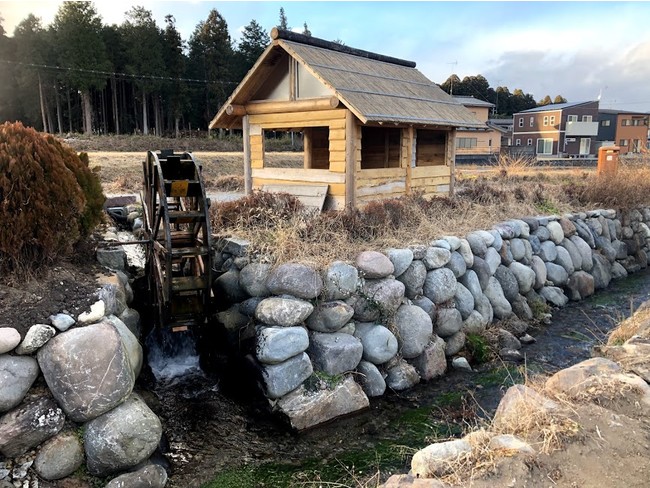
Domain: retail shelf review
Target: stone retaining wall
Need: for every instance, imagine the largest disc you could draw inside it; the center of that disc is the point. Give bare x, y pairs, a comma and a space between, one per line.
325, 340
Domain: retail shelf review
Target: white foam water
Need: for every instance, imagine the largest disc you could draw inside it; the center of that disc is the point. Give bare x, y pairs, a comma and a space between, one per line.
172, 356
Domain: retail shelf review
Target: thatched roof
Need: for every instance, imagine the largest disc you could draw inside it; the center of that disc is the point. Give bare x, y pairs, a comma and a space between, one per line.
375, 88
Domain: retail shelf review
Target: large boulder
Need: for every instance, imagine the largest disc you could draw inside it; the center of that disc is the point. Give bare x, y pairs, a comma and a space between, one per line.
277, 344
414, 329
330, 316
378, 298
448, 322
580, 285
88, 370
586, 260
28, 425
432, 362
401, 259
121, 438
470, 281
556, 274
524, 275
227, 286
436, 257
252, 279
371, 379
557, 234
374, 265
306, 409
508, 283
437, 459
17, 374
10, 338
482, 270
457, 264
601, 271
493, 259
59, 457
440, 285
455, 343
554, 296
286, 376
335, 353
564, 259
296, 279
379, 344
518, 399
539, 268
340, 281
500, 305
130, 341
413, 279
150, 476
464, 301
401, 375
35, 338
285, 312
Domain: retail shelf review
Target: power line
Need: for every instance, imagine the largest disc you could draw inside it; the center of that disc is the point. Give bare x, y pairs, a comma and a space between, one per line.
119, 75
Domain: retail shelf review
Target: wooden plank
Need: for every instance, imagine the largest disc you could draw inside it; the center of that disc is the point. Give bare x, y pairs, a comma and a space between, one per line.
338, 167
451, 158
322, 117
285, 106
334, 189
291, 174
337, 146
409, 140
248, 180
430, 182
430, 171
349, 159
333, 202
337, 134
381, 173
311, 196
392, 187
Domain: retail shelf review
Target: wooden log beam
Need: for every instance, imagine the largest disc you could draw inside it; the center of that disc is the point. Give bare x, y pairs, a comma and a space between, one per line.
248, 179
237, 110
283, 106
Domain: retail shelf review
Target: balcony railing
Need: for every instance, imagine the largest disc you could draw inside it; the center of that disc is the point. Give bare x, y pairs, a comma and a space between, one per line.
581, 129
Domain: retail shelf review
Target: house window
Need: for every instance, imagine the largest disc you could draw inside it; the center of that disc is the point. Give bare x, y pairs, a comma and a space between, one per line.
430, 147
529, 142
571, 118
605, 123
544, 146
636, 146
532, 120
517, 142
552, 120
623, 142
521, 122
545, 120
380, 147
626, 122
466, 142
586, 118
637, 122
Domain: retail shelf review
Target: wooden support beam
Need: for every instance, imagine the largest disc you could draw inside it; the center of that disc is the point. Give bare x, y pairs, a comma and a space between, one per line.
307, 147
350, 159
248, 179
237, 110
451, 159
283, 106
410, 157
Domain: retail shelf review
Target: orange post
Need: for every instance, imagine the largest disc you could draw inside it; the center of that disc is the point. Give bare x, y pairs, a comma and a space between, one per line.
608, 160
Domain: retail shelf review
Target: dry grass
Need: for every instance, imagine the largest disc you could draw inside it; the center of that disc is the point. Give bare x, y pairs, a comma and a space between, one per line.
629, 327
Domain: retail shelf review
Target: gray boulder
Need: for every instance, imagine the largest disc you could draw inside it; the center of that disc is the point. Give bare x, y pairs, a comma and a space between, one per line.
379, 344
277, 344
500, 305
455, 343
470, 281
252, 279
448, 322
374, 265
28, 425
121, 438
517, 249
576, 256
621, 249
112, 257
601, 271
401, 375
335, 353
371, 379
227, 286
508, 283
59, 457
606, 248
286, 376
113, 295
564, 259
131, 318
457, 264
330, 316
427, 305
548, 251
484, 307
88, 370
436, 257
507, 230
454, 242
521, 308
493, 260
9, 339
340, 281
539, 268
61, 321
535, 244
17, 374
618, 271
432, 363
506, 340
377, 298
482, 271
524, 275
285, 312
584, 232
464, 301
474, 324
414, 329
557, 234
466, 252
413, 279
296, 279
35, 338
498, 240
150, 476
477, 244
542, 234
506, 254
580, 285
554, 296
556, 274
440, 285
131, 343
401, 259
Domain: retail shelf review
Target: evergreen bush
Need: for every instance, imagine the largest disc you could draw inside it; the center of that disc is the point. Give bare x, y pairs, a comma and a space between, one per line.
49, 198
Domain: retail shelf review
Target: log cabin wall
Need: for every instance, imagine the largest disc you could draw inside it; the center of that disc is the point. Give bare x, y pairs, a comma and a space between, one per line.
431, 167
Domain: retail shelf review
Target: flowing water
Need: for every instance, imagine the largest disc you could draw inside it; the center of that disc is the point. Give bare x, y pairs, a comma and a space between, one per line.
216, 431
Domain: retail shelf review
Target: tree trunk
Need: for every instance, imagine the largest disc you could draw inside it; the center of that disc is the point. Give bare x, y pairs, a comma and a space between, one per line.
59, 116
136, 119
67, 91
176, 131
116, 118
157, 117
145, 121
40, 95
88, 111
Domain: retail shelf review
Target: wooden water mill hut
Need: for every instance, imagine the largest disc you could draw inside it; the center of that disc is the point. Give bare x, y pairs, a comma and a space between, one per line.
373, 126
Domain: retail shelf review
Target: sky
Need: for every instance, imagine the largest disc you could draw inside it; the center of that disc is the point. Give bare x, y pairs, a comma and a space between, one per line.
580, 50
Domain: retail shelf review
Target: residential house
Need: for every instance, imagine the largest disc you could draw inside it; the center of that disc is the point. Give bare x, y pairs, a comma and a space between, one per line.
558, 130
628, 130
478, 141
373, 126
504, 126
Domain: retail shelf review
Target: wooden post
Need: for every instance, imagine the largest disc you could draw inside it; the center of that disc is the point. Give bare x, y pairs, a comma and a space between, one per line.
451, 159
248, 180
410, 157
307, 147
350, 159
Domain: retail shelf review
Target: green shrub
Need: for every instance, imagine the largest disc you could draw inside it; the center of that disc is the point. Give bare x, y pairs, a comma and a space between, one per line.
49, 198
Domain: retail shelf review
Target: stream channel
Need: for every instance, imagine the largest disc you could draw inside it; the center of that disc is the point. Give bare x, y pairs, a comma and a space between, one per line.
218, 436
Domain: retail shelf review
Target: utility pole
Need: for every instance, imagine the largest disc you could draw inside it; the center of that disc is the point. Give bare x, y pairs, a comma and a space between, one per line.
451, 89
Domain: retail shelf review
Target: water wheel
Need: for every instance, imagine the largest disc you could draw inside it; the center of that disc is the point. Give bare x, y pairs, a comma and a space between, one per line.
177, 224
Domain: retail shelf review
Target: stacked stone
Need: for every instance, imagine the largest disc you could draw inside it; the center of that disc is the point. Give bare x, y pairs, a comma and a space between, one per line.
392, 319
90, 365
